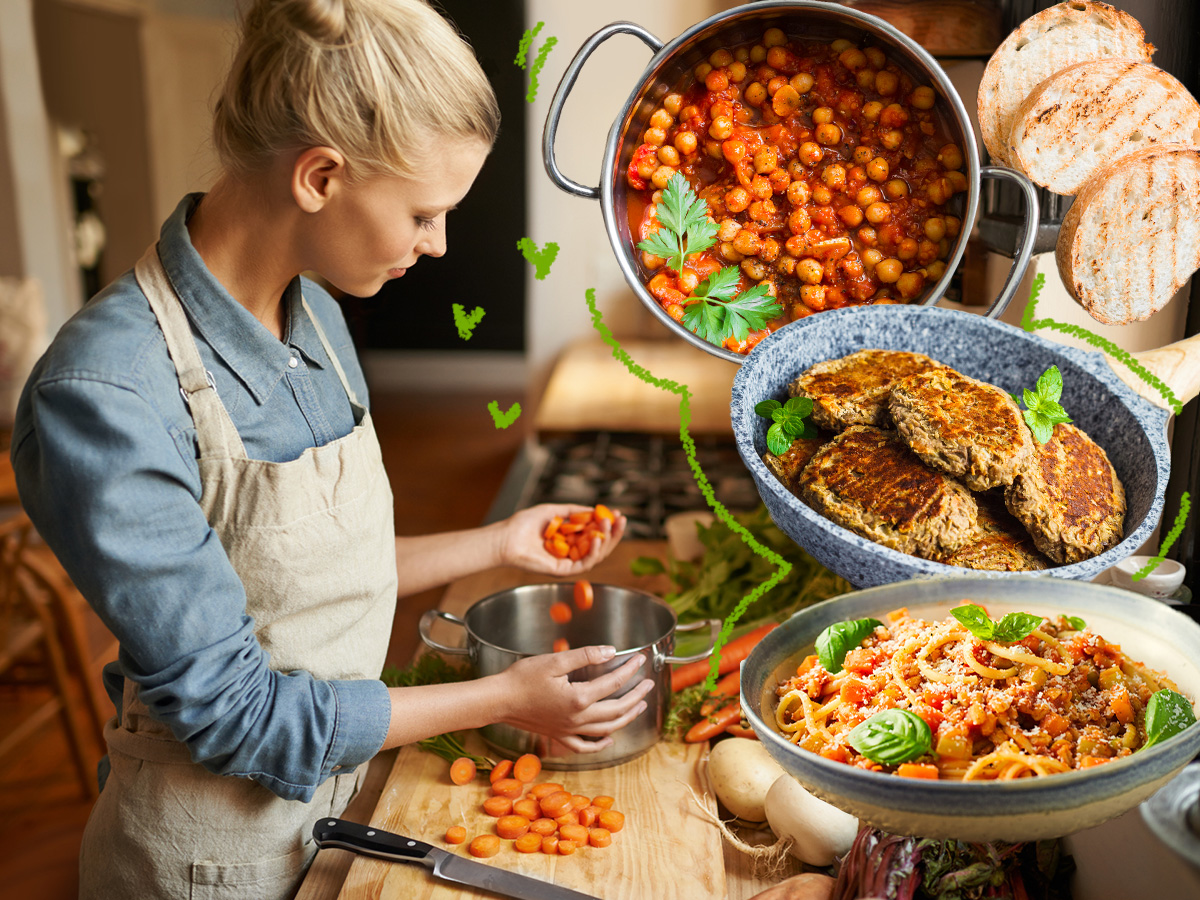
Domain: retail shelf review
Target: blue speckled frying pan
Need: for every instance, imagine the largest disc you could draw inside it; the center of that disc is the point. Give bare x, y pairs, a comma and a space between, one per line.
1130, 429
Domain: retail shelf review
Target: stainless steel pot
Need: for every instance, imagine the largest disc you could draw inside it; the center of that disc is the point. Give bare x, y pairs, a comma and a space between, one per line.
808, 19
515, 623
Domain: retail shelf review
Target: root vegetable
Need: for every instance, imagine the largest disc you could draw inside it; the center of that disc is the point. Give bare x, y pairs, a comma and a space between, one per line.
741, 772
818, 831
808, 886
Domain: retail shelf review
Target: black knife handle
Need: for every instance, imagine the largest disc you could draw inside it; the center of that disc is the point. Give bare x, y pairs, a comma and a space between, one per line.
330, 832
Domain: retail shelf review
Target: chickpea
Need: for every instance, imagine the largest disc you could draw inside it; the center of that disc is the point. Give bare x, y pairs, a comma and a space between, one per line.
909, 284
774, 37
935, 228
822, 115
795, 168
796, 245
662, 176
878, 169
856, 177
809, 271
813, 296
787, 266
716, 81
875, 57
777, 57
780, 180
646, 167
742, 54
737, 72
655, 199
766, 159
923, 98
841, 45
867, 236
713, 149
802, 83
828, 134
737, 200
758, 53
799, 221
886, 83
895, 189
747, 243
935, 270
775, 83
853, 59
721, 108
685, 142
957, 180
755, 94
729, 228
889, 270
878, 213
850, 214
702, 70
733, 150
938, 191
871, 257
798, 193
655, 137
809, 153
769, 251
953, 224
892, 139
720, 58
760, 188
673, 103
762, 210
650, 261
863, 155
834, 177
907, 249
852, 266
668, 155
865, 78
927, 252
728, 253
689, 112
755, 269
868, 195
871, 111
822, 196
662, 119
786, 101
950, 157
688, 281
721, 128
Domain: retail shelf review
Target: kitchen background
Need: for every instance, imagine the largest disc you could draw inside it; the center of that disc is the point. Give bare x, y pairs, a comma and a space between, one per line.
104, 117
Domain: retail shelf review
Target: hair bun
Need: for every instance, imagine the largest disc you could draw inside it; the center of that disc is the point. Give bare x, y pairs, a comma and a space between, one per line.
321, 20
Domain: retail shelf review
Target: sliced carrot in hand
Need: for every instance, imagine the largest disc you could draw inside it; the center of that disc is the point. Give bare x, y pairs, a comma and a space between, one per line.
584, 595
527, 767
462, 770
560, 612
603, 513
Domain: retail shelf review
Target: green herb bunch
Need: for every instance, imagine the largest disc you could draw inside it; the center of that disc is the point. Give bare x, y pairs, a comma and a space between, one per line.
790, 422
1042, 409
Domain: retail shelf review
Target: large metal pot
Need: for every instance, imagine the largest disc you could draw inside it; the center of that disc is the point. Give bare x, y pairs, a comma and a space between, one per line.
515, 623
809, 19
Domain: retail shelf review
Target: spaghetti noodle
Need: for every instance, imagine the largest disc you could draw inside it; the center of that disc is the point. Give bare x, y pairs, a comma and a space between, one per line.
1057, 700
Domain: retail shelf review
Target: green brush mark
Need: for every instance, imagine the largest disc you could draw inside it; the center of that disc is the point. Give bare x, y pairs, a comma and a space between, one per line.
1185, 506
783, 567
541, 260
539, 61
504, 419
466, 323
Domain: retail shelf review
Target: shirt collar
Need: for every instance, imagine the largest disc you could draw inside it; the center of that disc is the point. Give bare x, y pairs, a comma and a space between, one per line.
252, 353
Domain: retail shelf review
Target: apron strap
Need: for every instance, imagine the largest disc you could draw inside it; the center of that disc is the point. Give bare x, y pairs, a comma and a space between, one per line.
329, 352
215, 431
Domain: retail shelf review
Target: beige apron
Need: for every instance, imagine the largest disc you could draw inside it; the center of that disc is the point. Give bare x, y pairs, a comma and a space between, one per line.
313, 542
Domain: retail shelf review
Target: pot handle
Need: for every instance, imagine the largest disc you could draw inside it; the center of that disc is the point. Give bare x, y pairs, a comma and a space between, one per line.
426, 623
1028, 236
564, 88
714, 626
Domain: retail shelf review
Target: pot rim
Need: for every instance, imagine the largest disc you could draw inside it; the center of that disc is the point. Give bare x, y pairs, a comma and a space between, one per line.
917, 57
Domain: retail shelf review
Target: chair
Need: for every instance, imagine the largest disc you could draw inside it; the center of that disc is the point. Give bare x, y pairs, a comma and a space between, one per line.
31, 651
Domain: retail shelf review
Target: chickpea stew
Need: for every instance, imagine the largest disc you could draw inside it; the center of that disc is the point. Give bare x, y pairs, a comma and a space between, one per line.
824, 167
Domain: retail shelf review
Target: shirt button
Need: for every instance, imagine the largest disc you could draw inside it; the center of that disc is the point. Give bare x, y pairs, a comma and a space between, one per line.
293, 362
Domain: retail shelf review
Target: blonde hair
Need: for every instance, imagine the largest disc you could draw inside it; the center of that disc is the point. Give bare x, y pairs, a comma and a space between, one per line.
376, 80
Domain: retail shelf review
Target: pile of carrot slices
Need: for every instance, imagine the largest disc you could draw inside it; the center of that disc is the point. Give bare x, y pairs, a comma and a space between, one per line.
571, 538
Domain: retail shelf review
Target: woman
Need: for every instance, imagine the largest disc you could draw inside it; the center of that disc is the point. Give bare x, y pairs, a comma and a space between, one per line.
196, 448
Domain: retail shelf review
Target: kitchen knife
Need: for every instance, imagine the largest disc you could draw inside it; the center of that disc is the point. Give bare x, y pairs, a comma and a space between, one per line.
385, 845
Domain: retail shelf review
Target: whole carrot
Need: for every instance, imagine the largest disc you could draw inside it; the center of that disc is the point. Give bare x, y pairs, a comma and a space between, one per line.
710, 726
731, 657
729, 686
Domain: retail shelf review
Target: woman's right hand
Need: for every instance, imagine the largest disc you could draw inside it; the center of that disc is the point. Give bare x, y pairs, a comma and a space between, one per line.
542, 699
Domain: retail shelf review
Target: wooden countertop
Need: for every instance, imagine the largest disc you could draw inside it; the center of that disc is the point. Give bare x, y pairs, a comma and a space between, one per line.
670, 842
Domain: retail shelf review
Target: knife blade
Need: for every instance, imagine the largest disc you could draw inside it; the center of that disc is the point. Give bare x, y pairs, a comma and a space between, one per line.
376, 842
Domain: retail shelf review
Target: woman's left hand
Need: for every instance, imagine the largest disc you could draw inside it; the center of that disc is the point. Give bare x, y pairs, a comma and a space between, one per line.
522, 543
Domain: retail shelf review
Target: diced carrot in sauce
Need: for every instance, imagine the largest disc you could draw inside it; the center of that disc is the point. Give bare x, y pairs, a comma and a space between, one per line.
918, 770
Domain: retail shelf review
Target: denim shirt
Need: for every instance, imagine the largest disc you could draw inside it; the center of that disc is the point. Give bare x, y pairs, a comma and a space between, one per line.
105, 451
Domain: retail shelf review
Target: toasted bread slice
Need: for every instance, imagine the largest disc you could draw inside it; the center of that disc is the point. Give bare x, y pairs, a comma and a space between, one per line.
1046, 42
1131, 239
1089, 115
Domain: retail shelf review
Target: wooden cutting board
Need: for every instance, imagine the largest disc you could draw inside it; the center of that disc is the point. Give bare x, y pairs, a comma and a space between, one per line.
666, 850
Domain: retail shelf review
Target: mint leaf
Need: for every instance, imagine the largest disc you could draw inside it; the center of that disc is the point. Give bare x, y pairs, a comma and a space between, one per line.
1167, 714
1050, 384
840, 638
766, 407
892, 737
778, 442
1042, 409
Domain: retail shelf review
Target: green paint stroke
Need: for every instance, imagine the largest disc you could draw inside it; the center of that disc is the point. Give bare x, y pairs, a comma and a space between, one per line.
539, 61
504, 419
541, 260
1029, 323
1185, 506
783, 567
466, 323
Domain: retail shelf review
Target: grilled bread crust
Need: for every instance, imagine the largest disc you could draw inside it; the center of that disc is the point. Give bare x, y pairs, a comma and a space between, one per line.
999, 544
1046, 42
854, 389
866, 480
1069, 499
961, 426
1087, 116
1131, 239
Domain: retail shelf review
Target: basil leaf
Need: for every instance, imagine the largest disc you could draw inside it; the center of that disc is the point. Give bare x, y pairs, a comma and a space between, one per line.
975, 620
892, 737
1075, 622
1015, 626
777, 441
765, 408
840, 638
1167, 714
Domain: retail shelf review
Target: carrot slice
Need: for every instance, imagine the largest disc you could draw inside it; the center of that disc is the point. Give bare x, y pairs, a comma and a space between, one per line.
511, 827
528, 843
527, 768
508, 787
568, 818
560, 612
543, 826
604, 802
576, 833
918, 770
528, 808
462, 770
554, 805
500, 770
588, 816
538, 791
498, 806
599, 837
550, 843
484, 846
584, 595
456, 834
560, 645
580, 518
566, 848
611, 820
602, 512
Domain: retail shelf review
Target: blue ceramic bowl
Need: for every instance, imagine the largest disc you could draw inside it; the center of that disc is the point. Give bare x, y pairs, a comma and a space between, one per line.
1023, 810
1131, 430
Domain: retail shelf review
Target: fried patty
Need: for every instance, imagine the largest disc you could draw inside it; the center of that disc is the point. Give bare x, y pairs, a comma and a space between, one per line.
1000, 543
868, 481
853, 390
960, 426
787, 467
1069, 498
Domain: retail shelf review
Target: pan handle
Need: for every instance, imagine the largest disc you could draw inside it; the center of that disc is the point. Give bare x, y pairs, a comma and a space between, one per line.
1028, 236
427, 622
714, 626
564, 88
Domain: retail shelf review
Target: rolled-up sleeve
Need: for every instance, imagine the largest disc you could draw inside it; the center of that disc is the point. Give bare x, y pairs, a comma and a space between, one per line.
106, 481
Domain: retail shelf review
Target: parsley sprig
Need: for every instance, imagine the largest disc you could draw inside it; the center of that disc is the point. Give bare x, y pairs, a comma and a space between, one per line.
685, 228
1042, 409
791, 422
715, 313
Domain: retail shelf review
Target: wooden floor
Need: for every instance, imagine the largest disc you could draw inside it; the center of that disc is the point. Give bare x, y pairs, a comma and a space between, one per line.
446, 461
